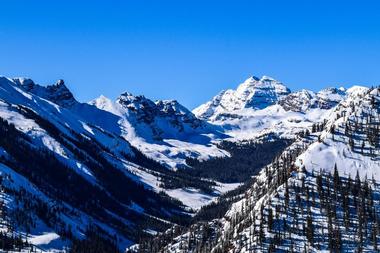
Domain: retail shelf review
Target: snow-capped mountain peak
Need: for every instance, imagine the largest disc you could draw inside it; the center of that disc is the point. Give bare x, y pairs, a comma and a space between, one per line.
145, 110
105, 104
253, 93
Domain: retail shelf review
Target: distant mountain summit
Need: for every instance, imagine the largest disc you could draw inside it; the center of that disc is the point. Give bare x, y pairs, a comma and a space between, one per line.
255, 93
259, 93
264, 105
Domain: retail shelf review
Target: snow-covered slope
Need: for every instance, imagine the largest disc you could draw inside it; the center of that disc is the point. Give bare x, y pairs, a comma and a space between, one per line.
351, 139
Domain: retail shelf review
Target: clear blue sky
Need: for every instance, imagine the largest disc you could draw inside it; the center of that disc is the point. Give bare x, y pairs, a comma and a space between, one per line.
189, 50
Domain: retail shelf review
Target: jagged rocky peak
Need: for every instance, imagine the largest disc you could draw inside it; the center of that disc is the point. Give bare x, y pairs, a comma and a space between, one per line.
57, 93
141, 104
147, 111
61, 94
299, 101
258, 94
135, 103
144, 109
255, 93
177, 113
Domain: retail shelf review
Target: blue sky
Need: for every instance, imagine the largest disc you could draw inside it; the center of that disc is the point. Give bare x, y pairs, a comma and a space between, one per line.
189, 50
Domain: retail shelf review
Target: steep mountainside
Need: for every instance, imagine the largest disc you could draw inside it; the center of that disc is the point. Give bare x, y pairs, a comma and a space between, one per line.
321, 194
164, 130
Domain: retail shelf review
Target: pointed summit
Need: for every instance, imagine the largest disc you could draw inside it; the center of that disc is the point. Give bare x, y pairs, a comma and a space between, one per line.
60, 94
253, 93
60, 82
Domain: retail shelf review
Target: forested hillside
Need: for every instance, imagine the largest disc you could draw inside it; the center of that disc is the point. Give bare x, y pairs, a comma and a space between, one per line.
321, 194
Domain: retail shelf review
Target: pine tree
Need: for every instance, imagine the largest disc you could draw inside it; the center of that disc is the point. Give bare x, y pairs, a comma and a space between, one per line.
309, 227
270, 219
337, 182
286, 195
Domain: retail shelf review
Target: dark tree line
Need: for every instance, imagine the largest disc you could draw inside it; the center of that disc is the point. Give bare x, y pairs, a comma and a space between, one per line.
246, 159
95, 241
169, 179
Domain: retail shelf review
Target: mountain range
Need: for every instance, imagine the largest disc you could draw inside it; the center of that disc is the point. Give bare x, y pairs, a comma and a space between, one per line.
152, 176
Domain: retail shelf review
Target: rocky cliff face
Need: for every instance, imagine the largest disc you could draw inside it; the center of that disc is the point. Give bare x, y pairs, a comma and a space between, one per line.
303, 100
164, 118
57, 93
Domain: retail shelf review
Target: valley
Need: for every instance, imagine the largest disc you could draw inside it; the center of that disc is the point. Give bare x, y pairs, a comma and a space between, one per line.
256, 169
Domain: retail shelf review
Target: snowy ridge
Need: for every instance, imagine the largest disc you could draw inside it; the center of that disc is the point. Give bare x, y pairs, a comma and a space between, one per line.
164, 130
304, 100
